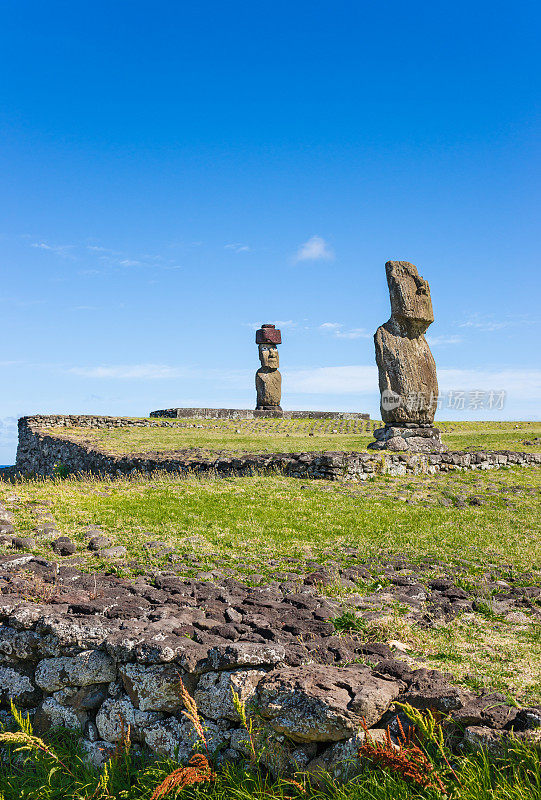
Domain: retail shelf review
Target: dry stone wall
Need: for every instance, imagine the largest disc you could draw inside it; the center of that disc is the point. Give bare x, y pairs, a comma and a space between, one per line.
38, 453
96, 653
246, 413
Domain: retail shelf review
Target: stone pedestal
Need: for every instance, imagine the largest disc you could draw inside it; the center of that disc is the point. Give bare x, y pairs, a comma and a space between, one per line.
411, 438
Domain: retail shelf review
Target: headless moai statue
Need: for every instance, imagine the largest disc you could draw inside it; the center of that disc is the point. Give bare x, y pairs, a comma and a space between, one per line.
407, 371
268, 381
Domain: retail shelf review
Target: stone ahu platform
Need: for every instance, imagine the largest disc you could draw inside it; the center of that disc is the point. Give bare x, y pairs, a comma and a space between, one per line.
96, 653
411, 437
38, 453
246, 413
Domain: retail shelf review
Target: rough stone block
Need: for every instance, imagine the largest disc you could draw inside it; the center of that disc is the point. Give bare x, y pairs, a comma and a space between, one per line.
323, 703
91, 666
214, 693
152, 688
115, 715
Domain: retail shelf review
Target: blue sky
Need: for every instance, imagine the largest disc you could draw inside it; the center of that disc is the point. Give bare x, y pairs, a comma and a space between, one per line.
175, 173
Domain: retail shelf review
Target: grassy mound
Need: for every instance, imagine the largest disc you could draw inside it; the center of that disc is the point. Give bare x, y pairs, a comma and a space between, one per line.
277, 435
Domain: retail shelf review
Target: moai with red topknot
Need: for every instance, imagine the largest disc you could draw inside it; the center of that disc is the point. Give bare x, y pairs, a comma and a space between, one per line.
268, 381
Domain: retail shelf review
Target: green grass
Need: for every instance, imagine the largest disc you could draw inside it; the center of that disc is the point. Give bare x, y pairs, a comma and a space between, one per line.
247, 517
58, 772
275, 435
252, 527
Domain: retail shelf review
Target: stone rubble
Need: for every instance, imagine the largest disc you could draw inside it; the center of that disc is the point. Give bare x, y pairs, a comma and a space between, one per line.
104, 652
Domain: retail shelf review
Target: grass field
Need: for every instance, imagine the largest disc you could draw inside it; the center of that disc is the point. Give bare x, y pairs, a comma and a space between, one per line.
481, 528
276, 435
56, 771
268, 527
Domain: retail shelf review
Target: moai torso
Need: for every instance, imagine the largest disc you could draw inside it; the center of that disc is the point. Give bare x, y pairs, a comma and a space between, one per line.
268, 384
405, 364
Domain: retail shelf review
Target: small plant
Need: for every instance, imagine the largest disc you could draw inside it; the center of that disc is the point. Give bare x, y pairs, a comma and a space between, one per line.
24, 739
428, 730
348, 621
485, 609
60, 471
247, 724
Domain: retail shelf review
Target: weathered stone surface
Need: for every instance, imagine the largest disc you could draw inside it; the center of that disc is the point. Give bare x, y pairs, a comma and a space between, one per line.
489, 710
22, 645
96, 754
87, 698
152, 688
99, 542
232, 656
113, 552
64, 546
165, 737
38, 452
214, 696
23, 542
496, 741
320, 703
53, 715
116, 714
16, 685
407, 372
268, 380
91, 666
268, 334
414, 440
432, 689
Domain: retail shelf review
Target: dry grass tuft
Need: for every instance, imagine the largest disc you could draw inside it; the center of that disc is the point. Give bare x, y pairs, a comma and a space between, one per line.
406, 760
197, 771
192, 713
32, 587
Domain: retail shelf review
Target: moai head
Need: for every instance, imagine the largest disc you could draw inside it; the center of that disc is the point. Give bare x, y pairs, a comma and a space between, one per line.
411, 304
267, 337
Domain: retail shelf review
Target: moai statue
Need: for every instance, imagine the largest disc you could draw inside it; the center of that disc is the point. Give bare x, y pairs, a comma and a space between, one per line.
268, 381
407, 371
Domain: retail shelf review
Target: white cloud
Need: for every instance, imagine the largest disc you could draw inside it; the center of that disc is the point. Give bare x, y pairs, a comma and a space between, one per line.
238, 248
353, 333
330, 326
130, 372
285, 323
435, 341
129, 262
524, 384
62, 250
8, 431
98, 249
315, 249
